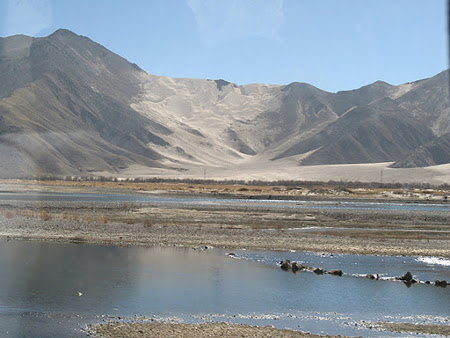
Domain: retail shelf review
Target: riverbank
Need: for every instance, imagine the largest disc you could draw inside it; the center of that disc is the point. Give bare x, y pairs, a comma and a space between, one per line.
81, 231
351, 231
131, 330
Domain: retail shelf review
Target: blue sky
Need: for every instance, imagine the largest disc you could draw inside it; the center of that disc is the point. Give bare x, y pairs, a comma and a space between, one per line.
333, 45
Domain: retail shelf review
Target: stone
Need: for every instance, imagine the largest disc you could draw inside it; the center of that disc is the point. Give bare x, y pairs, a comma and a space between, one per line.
335, 272
319, 271
407, 277
297, 266
286, 264
442, 283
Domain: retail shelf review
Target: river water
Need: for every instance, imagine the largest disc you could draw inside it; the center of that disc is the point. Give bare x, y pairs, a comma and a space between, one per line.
224, 202
41, 282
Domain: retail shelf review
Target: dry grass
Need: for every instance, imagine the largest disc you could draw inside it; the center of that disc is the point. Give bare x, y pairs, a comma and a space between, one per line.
9, 214
45, 216
148, 223
42, 215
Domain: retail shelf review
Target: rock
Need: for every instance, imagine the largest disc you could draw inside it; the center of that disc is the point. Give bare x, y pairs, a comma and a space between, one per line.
297, 266
442, 283
407, 277
370, 276
335, 272
286, 264
319, 271
203, 247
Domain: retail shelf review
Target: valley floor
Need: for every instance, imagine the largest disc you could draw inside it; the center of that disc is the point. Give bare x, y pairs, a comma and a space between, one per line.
288, 169
352, 231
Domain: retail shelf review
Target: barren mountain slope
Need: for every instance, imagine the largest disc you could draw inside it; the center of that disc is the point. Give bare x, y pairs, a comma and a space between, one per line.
69, 114
429, 102
379, 132
433, 153
70, 106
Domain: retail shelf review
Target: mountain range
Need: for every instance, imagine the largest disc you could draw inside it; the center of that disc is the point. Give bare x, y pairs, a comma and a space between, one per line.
69, 106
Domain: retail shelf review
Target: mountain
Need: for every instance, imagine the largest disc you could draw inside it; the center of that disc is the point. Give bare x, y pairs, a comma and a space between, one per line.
378, 132
65, 107
433, 153
69, 106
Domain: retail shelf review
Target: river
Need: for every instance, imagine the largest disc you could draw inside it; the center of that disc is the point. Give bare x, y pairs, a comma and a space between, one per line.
225, 202
55, 289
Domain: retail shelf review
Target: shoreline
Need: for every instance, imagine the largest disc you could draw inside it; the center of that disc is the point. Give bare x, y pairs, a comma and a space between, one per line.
219, 329
345, 231
227, 238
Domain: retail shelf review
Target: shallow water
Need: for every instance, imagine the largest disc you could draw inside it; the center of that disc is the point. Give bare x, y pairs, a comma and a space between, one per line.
39, 285
225, 202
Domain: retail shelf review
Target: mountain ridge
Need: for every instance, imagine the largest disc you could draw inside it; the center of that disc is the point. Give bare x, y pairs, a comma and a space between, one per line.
59, 87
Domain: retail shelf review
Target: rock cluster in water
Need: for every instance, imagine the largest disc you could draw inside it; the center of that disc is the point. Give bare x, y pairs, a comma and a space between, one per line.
296, 266
407, 278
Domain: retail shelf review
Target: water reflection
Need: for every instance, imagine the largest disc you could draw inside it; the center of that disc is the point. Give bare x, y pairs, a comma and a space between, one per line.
39, 284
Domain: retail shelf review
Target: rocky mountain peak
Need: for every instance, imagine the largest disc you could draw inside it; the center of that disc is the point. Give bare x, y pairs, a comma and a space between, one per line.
68, 106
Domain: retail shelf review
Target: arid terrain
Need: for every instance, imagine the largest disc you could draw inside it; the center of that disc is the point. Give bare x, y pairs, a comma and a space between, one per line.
387, 232
69, 106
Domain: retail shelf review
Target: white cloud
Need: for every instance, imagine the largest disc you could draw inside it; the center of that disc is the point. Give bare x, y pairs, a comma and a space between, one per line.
28, 17
225, 20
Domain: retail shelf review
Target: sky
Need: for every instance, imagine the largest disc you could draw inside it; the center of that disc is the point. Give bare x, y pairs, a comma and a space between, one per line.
331, 44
